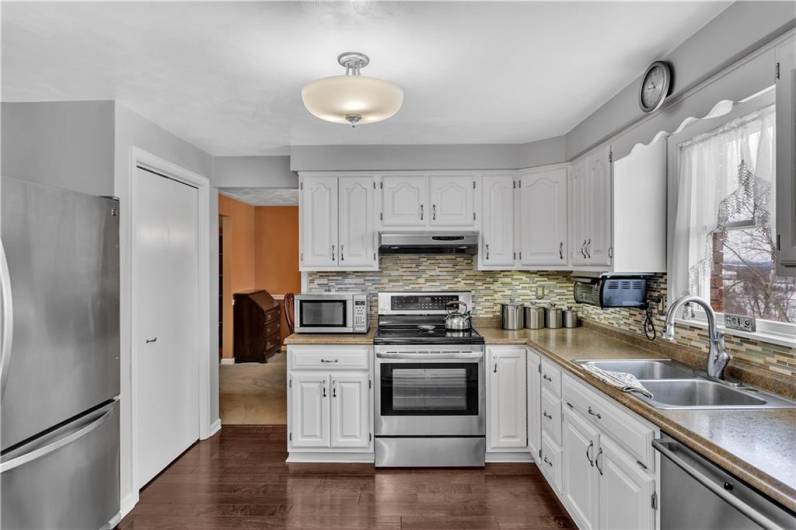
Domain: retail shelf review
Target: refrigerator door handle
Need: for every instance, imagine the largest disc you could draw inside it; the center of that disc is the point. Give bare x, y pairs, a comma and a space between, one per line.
93, 421
7, 318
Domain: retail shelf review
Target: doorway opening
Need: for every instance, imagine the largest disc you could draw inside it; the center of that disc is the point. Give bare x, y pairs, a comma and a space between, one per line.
258, 266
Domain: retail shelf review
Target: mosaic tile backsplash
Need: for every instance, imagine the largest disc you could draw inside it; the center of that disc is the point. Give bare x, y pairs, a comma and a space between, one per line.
491, 288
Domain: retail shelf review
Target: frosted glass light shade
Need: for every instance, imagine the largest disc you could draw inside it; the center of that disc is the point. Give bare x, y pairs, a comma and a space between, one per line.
338, 98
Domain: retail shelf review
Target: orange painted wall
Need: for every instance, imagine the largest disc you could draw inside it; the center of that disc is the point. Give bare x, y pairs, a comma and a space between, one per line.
239, 259
276, 232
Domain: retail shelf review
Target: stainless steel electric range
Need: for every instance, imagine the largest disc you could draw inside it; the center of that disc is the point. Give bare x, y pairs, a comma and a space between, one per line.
430, 392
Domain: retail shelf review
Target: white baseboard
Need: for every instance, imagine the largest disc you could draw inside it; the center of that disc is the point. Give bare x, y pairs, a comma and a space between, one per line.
127, 504
227, 360
214, 428
337, 458
523, 457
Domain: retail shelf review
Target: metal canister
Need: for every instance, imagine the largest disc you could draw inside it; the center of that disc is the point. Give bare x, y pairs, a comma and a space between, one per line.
554, 318
534, 316
512, 316
570, 317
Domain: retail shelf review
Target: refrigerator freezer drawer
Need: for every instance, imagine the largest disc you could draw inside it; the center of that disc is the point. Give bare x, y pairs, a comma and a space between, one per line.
68, 478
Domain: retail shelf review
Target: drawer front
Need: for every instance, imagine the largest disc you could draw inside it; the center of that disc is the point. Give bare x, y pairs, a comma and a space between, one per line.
620, 425
551, 416
272, 328
329, 358
272, 316
551, 377
550, 462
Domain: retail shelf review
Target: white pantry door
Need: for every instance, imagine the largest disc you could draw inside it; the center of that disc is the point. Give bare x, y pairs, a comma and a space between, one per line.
165, 294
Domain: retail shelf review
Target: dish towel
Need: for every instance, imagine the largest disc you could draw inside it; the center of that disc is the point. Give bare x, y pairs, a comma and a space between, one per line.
621, 380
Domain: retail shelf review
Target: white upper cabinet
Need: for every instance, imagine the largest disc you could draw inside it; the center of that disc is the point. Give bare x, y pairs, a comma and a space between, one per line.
318, 206
786, 155
598, 228
617, 210
452, 200
337, 223
356, 227
496, 248
543, 218
404, 201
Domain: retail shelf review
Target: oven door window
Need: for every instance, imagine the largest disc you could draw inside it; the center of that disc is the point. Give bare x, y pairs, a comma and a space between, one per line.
322, 313
429, 389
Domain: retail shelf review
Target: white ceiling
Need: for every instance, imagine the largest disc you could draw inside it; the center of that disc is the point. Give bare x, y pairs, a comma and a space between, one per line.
227, 76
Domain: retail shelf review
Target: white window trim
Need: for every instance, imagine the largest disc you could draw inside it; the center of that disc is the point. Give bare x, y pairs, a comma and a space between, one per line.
768, 331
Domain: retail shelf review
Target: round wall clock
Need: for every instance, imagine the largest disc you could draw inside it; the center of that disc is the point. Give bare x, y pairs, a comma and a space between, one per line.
655, 86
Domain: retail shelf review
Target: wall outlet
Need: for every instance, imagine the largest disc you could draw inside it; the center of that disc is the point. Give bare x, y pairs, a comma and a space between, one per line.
740, 322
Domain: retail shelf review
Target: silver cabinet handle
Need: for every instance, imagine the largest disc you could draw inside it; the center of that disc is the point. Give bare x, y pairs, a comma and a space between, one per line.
150, 341
588, 453
334, 389
342, 256
597, 461
443, 355
595, 414
433, 212
487, 250
548, 462
329, 360
588, 249
73, 434
421, 212
332, 253
561, 250
546, 415
677, 458
583, 249
7, 318
323, 389
494, 370
547, 378
610, 252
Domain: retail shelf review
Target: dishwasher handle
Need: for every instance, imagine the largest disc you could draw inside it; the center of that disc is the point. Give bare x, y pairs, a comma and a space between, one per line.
718, 489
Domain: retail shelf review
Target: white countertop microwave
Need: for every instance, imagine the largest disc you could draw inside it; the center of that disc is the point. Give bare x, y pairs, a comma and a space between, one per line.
331, 313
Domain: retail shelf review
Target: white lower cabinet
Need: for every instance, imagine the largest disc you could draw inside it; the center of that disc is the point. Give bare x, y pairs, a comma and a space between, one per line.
626, 492
330, 410
534, 382
507, 414
580, 483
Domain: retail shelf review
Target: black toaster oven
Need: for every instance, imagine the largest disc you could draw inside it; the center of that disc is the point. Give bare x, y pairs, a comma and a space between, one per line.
611, 290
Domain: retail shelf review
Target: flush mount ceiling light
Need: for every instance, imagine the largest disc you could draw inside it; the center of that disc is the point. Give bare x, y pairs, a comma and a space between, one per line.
352, 98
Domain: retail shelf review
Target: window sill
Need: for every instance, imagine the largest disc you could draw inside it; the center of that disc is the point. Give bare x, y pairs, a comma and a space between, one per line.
767, 337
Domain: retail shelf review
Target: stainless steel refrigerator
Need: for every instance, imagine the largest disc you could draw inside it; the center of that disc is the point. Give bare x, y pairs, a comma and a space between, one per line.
59, 465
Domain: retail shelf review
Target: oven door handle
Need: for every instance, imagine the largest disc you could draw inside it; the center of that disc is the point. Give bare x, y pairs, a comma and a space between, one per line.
441, 355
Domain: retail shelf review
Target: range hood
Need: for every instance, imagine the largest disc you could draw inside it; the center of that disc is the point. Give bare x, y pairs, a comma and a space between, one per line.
428, 243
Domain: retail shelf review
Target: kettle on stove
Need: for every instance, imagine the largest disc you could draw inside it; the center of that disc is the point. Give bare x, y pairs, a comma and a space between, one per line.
457, 320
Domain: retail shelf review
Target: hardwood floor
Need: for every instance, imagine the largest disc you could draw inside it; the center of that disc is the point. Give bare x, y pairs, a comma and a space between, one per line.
239, 479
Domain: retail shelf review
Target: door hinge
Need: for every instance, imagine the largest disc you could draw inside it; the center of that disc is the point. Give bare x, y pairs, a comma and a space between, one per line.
514, 184
374, 184
473, 216
540, 453
301, 256
290, 383
301, 186
520, 255
370, 436
539, 368
290, 436
381, 185
778, 243
777, 72
610, 156
473, 184
381, 216
654, 500
370, 383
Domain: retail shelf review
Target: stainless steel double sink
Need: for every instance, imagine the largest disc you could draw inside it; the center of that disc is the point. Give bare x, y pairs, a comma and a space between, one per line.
676, 386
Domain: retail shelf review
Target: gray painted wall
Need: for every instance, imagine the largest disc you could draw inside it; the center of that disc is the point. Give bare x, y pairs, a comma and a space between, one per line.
253, 172
426, 157
64, 144
734, 33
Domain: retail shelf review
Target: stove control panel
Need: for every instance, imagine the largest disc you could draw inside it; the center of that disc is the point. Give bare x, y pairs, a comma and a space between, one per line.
420, 303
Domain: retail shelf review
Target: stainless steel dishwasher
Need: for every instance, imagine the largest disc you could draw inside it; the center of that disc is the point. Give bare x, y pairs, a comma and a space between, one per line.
696, 494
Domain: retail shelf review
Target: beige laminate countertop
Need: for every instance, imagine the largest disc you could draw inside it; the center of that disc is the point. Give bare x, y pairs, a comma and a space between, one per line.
757, 446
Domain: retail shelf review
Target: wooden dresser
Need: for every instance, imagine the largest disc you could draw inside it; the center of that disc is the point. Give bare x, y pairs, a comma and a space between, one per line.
256, 326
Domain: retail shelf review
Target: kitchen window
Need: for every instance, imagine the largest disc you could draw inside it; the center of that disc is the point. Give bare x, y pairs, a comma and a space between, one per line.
722, 243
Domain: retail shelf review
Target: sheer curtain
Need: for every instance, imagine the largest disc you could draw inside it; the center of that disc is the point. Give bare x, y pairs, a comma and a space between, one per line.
707, 173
